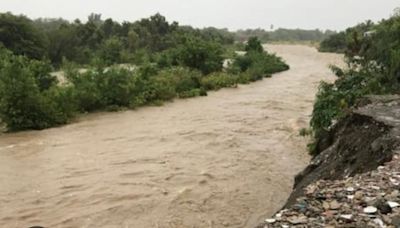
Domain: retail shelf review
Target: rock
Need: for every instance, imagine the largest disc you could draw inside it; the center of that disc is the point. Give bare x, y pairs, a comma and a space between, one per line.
370, 210
358, 195
350, 197
326, 205
334, 205
396, 221
346, 217
350, 189
379, 222
270, 221
383, 207
393, 204
295, 220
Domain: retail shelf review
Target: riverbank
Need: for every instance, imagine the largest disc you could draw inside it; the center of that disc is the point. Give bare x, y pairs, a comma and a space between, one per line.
355, 180
212, 161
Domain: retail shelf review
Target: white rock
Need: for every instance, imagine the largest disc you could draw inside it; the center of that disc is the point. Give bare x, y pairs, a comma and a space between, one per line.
370, 210
375, 187
379, 222
284, 226
270, 221
350, 189
347, 217
350, 197
393, 204
394, 181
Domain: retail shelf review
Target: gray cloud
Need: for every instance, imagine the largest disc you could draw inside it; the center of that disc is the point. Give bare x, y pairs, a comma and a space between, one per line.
232, 14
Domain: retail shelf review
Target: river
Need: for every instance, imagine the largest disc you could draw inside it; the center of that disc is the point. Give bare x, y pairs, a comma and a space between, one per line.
225, 160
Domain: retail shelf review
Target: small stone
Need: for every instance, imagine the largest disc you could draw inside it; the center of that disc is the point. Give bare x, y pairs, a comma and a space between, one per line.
334, 205
379, 222
350, 197
270, 221
370, 210
346, 217
358, 195
311, 189
295, 220
325, 205
375, 187
350, 189
384, 208
396, 221
393, 204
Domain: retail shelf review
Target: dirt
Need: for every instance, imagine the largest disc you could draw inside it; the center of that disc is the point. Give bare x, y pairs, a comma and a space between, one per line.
354, 181
358, 143
226, 160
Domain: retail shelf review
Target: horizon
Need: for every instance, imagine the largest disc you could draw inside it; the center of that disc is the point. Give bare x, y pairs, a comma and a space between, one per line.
289, 14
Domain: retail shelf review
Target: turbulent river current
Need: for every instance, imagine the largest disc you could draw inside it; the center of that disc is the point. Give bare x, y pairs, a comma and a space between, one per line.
225, 160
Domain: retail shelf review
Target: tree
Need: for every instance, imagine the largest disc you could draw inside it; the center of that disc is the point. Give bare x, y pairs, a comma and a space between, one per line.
205, 56
254, 44
18, 34
111, 49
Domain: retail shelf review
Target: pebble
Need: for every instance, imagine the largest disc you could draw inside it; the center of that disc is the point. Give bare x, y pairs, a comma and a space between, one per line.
393, 204
270, 220
370, 210
347, 217
371, 200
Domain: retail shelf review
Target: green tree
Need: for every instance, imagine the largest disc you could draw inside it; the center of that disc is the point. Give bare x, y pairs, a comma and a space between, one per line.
254, 44
18, 34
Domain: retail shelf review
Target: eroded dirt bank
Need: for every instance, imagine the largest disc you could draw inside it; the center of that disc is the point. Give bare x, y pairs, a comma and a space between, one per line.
354, 180
205, 162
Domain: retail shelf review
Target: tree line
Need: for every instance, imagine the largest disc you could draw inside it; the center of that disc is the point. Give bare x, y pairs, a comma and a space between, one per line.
166, 61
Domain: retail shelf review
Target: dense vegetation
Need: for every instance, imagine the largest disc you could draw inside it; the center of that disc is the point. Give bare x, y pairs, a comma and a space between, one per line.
293, 35
164, 61
373, 67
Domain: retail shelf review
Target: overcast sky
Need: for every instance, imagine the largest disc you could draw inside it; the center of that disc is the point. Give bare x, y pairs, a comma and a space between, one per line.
232, 14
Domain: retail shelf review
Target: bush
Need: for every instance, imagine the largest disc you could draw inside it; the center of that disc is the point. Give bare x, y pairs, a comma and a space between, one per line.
219, 80
195, 53
176, 81
258, 65
334, 43
22, 103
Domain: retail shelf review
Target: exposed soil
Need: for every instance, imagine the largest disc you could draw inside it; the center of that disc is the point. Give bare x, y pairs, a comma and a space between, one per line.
354, 181
226, 160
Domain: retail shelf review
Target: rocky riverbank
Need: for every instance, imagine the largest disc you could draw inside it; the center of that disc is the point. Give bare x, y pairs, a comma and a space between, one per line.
354, 181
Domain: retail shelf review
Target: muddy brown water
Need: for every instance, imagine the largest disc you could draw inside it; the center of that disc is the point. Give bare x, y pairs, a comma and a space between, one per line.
226, 160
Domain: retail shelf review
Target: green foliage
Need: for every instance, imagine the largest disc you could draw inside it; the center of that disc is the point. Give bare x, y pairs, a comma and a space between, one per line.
258, 65
195, 53
22, 104
18, 34
111, 50
334, 43
254, 45
219, 80
373, 58
292, 35
172, 61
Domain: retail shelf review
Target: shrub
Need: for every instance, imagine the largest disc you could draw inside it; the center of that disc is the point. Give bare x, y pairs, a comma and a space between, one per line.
195, 53
219, 80
22, 104
175, 81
